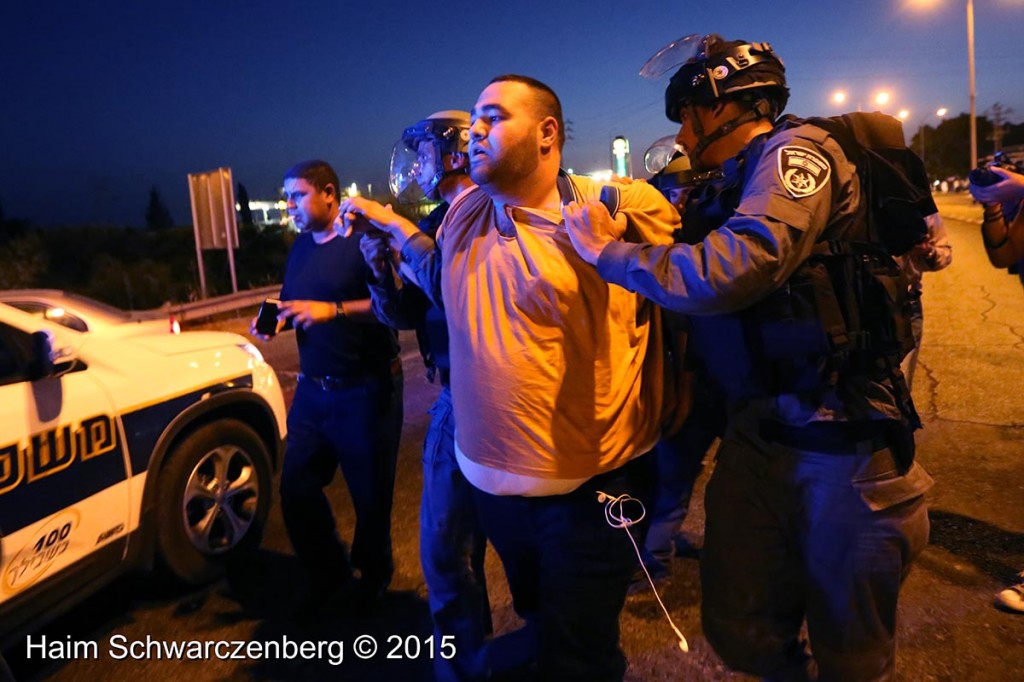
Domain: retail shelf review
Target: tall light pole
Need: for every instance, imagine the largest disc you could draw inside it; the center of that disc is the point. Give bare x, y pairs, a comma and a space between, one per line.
970, 69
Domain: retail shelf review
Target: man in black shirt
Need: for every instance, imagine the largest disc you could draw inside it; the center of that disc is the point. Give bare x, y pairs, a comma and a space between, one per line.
347, 409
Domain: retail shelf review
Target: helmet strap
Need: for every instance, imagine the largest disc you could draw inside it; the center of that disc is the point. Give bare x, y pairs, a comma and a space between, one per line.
762, 109
435, 182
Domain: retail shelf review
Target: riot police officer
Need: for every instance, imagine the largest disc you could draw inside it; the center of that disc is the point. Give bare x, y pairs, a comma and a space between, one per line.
815, 510
431, 160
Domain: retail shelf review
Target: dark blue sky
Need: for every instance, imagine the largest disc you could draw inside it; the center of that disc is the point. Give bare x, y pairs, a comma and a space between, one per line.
103, 100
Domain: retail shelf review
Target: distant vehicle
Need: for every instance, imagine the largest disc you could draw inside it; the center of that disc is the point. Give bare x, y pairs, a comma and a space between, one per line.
81, 313
124, 445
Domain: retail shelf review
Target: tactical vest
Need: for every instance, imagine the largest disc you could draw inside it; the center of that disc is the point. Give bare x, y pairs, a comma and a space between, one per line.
842, 313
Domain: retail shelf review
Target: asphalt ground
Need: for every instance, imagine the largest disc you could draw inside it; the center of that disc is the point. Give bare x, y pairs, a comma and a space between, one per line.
968, 390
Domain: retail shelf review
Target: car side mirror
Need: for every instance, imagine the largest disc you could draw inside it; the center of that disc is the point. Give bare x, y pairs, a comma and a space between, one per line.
48, 358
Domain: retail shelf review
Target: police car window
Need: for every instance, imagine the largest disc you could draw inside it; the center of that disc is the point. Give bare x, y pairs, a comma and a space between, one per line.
15, 352
52, 313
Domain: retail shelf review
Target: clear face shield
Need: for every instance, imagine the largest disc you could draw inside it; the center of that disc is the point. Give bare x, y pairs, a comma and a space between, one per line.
672, 173
660, 153
674, 55
407, 168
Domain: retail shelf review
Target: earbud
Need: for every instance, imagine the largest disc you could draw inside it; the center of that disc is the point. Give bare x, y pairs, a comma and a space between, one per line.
614, 514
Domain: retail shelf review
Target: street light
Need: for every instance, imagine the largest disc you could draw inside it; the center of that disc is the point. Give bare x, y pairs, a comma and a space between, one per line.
970, 81
903, 114
880, 98
970, 78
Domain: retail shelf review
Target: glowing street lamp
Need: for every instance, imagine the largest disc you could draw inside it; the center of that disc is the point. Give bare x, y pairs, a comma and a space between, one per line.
879, 99
903, 114
970, 80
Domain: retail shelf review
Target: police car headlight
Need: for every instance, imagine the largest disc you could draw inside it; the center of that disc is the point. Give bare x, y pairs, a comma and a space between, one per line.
253, 352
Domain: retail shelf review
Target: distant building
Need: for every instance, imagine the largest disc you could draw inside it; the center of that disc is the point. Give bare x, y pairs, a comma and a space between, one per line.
268, 213
275, 213
621, 164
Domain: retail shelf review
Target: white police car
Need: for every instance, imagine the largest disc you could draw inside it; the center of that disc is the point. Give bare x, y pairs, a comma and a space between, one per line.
122, 446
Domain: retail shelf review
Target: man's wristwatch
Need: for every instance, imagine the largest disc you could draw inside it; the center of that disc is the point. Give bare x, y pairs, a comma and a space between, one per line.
339, 309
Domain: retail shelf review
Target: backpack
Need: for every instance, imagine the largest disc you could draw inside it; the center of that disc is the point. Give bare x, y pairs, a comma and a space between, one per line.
854, 289
892, 176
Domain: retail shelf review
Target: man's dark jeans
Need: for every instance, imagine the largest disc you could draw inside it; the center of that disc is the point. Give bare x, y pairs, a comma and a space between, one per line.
356, 428
568, 569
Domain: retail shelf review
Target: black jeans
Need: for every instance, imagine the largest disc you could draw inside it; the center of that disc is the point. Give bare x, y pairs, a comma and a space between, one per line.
568, 570
358, 429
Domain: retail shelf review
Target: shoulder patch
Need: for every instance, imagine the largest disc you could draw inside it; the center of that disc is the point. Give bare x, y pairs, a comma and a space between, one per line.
802, 171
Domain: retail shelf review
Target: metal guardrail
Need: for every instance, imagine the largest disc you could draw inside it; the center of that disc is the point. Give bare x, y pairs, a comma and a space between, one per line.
209, 307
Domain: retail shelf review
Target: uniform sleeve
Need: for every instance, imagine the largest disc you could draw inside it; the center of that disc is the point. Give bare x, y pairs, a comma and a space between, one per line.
396, 304
784, 208
422, 255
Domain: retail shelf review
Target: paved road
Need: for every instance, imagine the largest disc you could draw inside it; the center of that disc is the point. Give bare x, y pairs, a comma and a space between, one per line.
968, 391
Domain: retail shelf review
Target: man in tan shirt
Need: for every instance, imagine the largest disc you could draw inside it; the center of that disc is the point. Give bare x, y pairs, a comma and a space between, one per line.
556, 376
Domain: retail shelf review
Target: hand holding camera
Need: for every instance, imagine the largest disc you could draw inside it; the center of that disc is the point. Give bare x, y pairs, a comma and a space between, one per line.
999, 183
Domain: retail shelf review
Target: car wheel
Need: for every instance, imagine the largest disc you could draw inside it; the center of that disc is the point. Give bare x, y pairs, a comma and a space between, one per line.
213, 496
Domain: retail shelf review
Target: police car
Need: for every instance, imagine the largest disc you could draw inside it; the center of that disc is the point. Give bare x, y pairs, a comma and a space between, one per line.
125, 445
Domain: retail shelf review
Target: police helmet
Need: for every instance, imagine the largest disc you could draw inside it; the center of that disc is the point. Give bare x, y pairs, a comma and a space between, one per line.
714, 69
448, 132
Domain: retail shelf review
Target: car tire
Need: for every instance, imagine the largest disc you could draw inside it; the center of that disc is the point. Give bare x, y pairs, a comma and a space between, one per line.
213, 497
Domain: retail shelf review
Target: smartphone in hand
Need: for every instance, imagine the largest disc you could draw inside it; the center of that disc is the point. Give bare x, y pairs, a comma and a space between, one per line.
266, 319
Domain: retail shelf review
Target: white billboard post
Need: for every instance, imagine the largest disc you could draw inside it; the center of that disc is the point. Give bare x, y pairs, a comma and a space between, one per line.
213, 218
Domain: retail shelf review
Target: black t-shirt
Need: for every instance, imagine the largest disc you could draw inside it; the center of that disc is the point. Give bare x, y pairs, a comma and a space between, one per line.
335, 271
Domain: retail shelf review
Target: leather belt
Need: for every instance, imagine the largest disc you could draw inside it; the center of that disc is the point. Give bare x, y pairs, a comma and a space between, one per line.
343, 382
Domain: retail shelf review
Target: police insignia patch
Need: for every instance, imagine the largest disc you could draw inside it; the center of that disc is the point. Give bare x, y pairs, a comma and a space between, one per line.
802, 171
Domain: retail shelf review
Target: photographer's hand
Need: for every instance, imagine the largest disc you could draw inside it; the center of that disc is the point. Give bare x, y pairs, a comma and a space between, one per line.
1007, 190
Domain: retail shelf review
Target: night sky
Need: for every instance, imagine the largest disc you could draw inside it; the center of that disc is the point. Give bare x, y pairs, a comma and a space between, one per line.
103, 100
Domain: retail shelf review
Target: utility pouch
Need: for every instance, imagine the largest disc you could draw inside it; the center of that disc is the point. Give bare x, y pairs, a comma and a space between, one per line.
899, 437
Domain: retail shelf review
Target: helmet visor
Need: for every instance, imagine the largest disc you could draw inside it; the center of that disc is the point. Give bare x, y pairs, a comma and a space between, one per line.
660, 153
673, 55
405, 168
